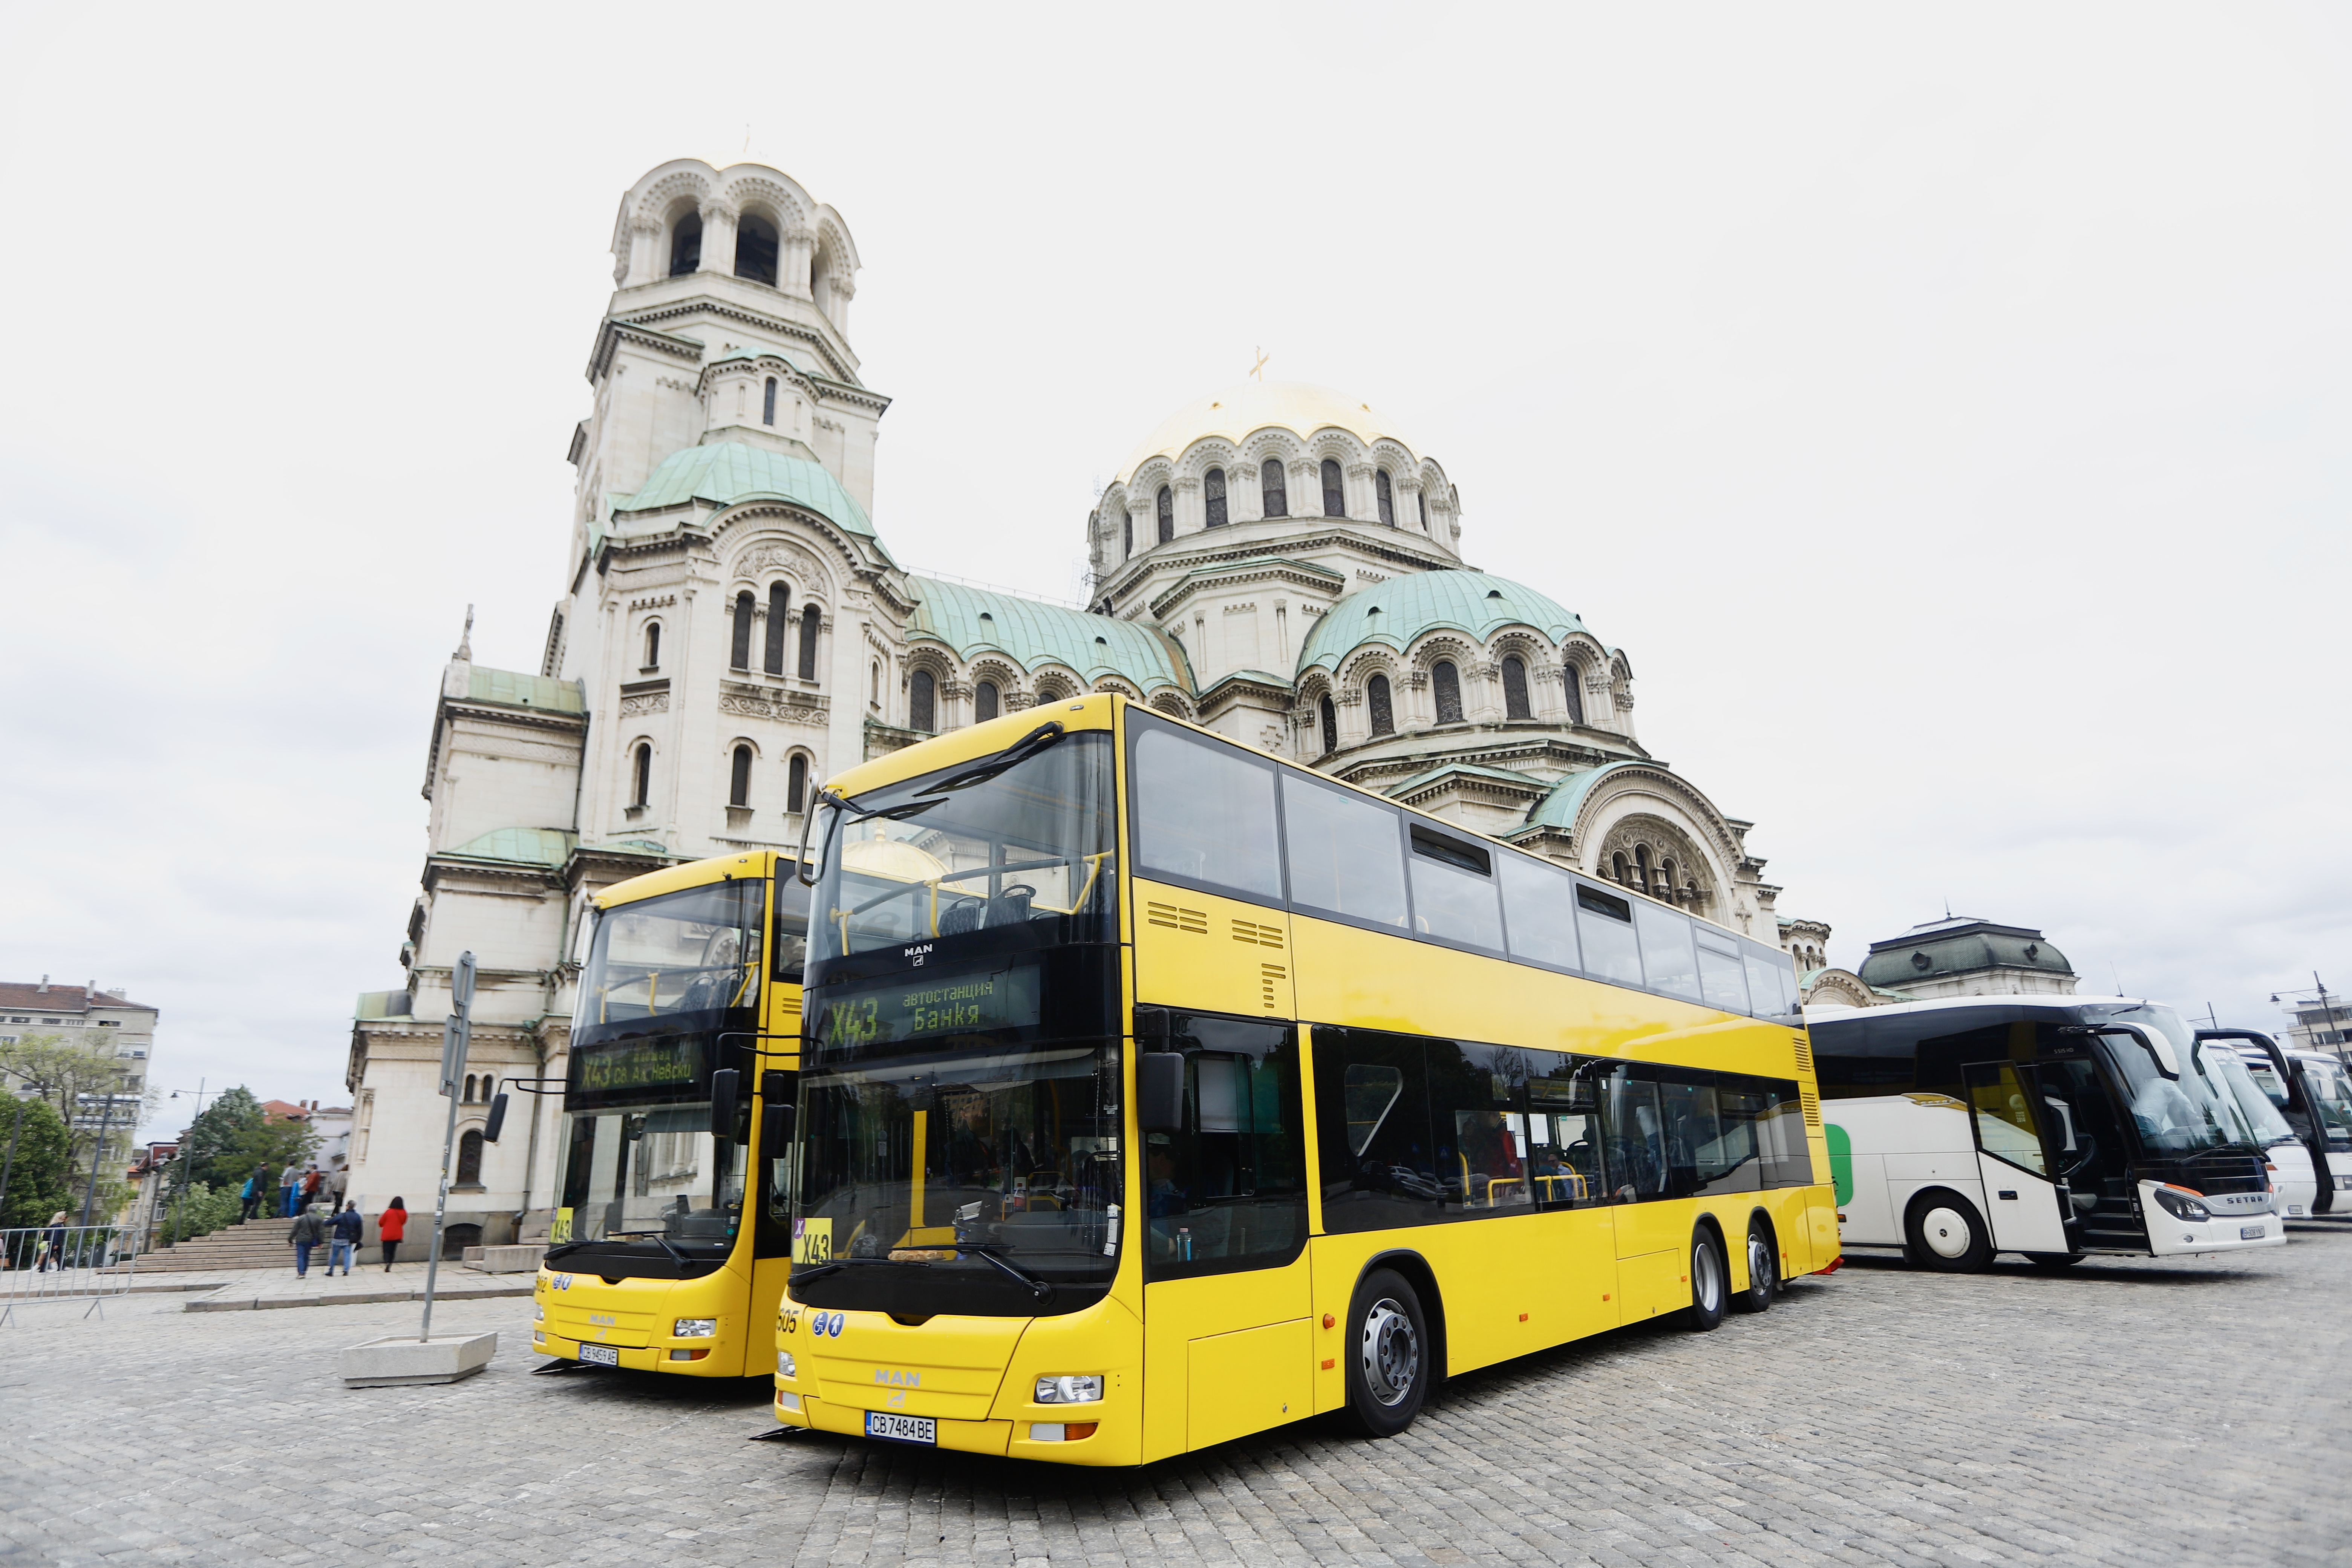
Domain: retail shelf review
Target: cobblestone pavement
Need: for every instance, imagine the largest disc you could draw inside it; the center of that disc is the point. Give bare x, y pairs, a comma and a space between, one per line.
2118, 1414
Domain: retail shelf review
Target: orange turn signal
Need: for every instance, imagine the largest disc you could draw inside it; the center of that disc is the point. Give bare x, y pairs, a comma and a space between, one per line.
1329, 1322
1328, 1365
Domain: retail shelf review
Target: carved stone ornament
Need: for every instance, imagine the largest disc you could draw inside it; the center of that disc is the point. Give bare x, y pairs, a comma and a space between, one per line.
638, 707
775, 555
742, 706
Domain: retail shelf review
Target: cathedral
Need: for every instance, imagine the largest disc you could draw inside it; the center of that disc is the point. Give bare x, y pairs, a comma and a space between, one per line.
1276, 562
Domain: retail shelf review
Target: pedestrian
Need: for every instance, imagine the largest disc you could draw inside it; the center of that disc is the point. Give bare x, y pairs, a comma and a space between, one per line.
389, 1224
339, 1183
258, 1188
53, 1243
308, 1232
246, 1199
348, 1227
310, 1179
289, 1182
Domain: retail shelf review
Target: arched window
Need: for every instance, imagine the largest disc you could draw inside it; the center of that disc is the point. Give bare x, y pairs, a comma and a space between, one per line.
1330, 717
745, 610
810, 621
780, 625
738, 778
1420, 504
1575, 681
1642, 866
1166, 514
1446, 682
469, 1158
1621, 870
1214, 488
653, 645
686, 245
1272, 488
1127, 536
1383, 704
1514, 689
922, 693
796, 785
755, 252
874, 681
1385, 493
768, 404
1335, 496
470, 1091
983, 702
642, 786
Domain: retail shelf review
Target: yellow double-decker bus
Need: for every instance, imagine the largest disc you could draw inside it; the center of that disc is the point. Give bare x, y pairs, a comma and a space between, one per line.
670, 1243
1155, 1092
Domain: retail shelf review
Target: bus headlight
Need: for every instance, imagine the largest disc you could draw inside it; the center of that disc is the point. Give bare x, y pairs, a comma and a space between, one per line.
694, 1329
538, 1312
785, 1365
2180, 1204
1083, 1390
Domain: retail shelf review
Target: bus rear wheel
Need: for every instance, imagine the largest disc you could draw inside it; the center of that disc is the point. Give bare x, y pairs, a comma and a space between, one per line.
1710, 1282
1945, 1234
1387, 1359
1763, 1271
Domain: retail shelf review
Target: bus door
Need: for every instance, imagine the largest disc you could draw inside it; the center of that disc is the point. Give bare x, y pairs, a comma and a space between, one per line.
2026, 1198
2089, 1154
1228, 1342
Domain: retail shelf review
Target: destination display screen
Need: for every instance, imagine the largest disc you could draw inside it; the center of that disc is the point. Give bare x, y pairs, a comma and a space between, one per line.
649, 1068
906, 1010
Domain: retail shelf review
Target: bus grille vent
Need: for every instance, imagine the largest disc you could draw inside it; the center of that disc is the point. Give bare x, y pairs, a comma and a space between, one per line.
1804, 1056
1196, 921
1271, 978
790, 1009
1261, 936
1812, 1108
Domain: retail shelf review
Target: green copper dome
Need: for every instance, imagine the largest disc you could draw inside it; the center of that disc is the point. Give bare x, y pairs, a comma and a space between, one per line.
1402, 608
973, 621
726, 472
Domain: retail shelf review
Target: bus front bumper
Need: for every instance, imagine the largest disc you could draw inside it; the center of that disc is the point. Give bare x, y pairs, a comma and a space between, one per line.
630, 1325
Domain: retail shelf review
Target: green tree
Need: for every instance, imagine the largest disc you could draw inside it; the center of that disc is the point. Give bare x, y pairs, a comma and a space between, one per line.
199, 1212
234, 1135
41, 1178
73, 1074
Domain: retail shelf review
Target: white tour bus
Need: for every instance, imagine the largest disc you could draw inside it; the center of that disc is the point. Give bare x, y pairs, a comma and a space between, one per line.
2292, 1175
2313, 1091
2054, 1127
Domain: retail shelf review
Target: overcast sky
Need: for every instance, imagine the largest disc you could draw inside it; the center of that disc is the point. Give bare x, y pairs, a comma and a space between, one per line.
1947, 413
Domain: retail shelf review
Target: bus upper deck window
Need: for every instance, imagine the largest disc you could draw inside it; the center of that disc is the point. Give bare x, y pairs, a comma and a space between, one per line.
1454, 896
1205, 813
1669, 959
1722, 977
1346, 855
1605, 924
1540, 907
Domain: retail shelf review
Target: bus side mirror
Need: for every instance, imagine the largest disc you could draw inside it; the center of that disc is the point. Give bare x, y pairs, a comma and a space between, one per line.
724, 1085
1160, 1091
775, 1131
497, 1117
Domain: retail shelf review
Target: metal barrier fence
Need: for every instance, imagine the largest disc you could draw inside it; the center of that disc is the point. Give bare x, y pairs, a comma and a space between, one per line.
66, 1263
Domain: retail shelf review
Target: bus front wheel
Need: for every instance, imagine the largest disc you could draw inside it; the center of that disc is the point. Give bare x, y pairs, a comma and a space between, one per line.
1945, 1234
1710, 1282
1388, 1363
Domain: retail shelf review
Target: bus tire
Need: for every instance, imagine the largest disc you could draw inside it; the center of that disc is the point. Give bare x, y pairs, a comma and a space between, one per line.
1710, 1282
1945, 1233
2054, 1260
1763, 1270
1388, 1356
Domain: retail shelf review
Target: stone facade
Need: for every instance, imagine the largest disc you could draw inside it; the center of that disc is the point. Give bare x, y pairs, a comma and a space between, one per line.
1276, 562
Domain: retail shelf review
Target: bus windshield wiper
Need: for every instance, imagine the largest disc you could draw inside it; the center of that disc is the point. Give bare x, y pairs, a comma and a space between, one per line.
659, 1241
988, 1252
1012, 756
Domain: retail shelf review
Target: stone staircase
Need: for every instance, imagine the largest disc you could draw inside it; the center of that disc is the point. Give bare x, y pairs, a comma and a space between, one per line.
249, 1243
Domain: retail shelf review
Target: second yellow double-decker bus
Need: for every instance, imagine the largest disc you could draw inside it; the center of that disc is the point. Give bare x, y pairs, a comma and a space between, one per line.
1156, 1092
669, 1248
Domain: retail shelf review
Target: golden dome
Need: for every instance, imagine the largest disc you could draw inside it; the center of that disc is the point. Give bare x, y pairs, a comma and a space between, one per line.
1235, 412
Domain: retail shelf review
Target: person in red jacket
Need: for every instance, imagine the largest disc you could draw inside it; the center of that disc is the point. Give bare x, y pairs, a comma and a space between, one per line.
390, 1224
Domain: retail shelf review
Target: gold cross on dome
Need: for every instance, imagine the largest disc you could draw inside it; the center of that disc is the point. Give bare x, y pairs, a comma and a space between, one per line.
1258, 370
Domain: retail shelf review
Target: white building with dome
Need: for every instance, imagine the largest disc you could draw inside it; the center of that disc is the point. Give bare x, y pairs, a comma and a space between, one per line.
1278, 562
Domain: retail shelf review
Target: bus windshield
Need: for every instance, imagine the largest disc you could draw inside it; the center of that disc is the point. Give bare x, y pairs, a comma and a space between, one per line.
2331, 1098
974, 1169
695, 951
973, 848
651, 1171
2269, 1127
2174, 1115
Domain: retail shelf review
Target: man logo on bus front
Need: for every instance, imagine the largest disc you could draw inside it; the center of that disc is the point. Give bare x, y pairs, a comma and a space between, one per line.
915, 955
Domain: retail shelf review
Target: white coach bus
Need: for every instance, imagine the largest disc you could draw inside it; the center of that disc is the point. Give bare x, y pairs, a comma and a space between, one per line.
2055, 1127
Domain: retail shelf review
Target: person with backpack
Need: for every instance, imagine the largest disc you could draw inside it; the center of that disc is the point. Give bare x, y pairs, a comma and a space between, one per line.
348, 1228
257, 1191
390, 1225
308, 1232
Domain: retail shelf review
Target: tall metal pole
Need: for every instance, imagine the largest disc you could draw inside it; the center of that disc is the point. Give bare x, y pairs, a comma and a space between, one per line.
187, 1148
105, 1125
456, 1035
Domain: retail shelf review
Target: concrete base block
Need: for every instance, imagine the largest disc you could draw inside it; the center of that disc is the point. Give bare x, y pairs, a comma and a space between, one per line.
404, 1359
506, 1259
